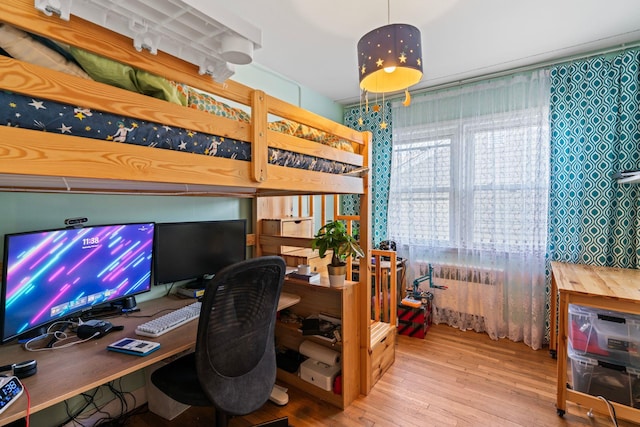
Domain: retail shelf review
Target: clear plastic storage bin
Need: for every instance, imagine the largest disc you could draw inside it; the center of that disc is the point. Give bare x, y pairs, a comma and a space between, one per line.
616, 383
609, 336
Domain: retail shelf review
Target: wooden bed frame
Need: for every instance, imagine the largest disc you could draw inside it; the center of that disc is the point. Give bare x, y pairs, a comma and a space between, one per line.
43, 161
72, 158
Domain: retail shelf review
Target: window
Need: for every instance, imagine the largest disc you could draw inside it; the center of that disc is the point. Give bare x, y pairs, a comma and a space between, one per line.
479, 183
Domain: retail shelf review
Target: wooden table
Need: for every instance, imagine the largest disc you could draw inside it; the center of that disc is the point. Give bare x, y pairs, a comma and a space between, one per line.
66, 372
607, 288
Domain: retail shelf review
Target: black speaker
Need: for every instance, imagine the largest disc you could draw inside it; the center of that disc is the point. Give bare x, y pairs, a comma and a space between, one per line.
21, 369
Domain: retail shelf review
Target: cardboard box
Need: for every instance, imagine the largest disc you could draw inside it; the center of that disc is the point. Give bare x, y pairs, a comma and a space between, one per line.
318, 373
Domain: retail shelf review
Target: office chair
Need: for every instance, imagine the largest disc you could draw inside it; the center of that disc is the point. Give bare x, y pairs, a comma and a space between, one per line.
233, 367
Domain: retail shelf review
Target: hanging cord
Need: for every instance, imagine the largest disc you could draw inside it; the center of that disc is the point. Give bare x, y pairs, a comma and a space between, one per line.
28, 404
60, 337
612, 411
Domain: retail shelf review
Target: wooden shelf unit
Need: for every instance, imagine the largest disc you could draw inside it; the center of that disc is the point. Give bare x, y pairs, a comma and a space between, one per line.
336, 302
606, 288
290, 226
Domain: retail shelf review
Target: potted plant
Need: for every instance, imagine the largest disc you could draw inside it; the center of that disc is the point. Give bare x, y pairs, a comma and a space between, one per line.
333, 236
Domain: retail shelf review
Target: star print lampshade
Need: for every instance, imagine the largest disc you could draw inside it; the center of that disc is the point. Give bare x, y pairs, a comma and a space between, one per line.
390, 58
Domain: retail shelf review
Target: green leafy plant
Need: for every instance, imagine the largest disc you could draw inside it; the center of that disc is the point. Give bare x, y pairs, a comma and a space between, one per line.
333, 236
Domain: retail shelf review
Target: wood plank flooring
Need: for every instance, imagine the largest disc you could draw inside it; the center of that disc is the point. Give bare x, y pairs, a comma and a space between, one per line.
451, 378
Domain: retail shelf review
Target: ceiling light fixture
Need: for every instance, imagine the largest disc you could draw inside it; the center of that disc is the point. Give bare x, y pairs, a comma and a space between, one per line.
389, 60
390, 57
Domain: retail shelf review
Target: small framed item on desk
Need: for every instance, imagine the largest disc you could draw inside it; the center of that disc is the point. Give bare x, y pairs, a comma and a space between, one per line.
134, 346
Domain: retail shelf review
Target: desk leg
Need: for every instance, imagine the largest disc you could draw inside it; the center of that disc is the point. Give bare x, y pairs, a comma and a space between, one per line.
553, 298
563, 311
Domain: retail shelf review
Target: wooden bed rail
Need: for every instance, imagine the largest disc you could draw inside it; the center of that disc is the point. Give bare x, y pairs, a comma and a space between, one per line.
37, 81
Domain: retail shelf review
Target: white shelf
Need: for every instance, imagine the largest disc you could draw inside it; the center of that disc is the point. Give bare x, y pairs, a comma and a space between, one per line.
210, 37
632, 179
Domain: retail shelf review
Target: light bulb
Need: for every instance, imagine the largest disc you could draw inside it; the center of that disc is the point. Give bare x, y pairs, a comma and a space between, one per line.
389, 69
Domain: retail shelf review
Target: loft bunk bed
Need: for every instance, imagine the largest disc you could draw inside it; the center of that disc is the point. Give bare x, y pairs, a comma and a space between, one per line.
240, 154
61, 131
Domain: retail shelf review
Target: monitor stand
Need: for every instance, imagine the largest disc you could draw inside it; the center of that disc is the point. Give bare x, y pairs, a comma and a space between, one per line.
34, 333
126, 305
43, 330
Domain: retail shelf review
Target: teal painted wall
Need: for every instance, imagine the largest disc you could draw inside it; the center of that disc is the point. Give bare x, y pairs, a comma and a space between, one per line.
279, 86
38, 211
33, 211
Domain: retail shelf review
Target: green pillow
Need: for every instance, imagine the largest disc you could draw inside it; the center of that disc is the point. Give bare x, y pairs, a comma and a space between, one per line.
159, 87
113, 73
106, 70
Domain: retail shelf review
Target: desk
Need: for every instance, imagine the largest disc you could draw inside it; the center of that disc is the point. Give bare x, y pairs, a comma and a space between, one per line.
67, 372
607, 288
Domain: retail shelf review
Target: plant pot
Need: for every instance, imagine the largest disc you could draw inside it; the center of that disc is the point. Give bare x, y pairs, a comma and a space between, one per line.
337, 274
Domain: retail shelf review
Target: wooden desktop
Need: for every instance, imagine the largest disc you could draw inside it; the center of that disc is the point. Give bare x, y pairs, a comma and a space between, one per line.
67, 372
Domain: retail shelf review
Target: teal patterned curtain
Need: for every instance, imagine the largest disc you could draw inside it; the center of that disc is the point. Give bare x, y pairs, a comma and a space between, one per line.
595, 132
380, 166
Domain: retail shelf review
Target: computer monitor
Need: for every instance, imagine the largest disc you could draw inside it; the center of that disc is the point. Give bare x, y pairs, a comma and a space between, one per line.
198, 249
55, 274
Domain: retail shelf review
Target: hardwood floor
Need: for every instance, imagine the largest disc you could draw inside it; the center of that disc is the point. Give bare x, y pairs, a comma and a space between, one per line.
451, 378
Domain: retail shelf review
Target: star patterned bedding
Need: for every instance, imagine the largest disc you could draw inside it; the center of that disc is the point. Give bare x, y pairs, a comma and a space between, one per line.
49, 116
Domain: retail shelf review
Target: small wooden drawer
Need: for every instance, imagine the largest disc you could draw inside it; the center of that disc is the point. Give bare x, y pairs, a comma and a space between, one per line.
382, 353
290, 227
293, 227
306, 256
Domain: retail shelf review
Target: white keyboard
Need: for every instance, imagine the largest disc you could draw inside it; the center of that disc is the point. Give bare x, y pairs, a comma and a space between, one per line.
167, 322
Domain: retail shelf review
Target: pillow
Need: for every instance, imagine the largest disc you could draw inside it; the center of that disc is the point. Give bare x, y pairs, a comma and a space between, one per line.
287, 127
23, 47
105, 70
159, 87
61, 48
342, 144
205, 102
312, 134
114, 73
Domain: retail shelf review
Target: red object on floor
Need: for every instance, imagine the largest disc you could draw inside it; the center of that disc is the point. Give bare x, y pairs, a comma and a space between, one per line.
414, 321
337, 385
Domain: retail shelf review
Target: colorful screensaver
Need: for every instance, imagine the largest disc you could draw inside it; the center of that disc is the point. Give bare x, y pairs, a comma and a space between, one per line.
53, 274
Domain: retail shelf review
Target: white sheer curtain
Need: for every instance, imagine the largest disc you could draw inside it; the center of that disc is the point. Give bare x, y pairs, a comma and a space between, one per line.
469, 195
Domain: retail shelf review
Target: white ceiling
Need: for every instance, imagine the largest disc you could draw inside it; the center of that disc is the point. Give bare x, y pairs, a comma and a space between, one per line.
314, 42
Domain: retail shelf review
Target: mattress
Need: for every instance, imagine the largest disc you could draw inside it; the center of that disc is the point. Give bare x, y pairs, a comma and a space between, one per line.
49, 116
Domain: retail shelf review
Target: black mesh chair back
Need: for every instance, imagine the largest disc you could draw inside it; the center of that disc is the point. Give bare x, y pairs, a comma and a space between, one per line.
234, 364
235, 347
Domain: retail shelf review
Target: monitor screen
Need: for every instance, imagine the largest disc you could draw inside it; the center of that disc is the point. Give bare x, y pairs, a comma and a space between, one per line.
193, 250
51, 275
